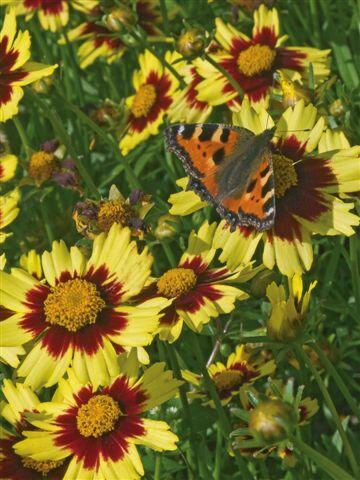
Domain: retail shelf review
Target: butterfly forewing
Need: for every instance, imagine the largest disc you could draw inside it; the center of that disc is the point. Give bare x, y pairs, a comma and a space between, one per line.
222, 165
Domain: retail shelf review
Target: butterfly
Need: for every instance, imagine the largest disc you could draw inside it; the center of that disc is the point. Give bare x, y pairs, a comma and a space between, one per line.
229, 167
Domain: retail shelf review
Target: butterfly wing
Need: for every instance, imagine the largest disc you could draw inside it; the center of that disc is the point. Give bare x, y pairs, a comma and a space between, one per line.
218, 160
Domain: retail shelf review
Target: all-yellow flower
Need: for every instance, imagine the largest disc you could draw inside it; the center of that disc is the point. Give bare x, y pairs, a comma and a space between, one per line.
16, 69
288, 315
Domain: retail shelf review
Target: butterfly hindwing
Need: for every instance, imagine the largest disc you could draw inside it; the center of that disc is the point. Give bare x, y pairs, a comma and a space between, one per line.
256, 205
226, 170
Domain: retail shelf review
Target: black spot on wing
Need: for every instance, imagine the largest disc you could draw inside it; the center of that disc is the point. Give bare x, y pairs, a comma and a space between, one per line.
224, 135
187, 131
251, 186
219, 155
264, 172
207, 132
266, 188
268, 204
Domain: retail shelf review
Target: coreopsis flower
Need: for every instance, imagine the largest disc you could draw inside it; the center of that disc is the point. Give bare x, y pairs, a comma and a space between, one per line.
243, 367
80, 312
97, 429
100, 40
186, 106
155, 90
253, 61
93, 217
52, 15
16, 69
307, 188
20, 402
197, 291
9, 210
288, 315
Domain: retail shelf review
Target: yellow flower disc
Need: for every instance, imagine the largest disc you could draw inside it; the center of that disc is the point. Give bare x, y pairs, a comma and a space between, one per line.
144, 100
113, 211
43, 467
176, 282
284, 174
73, 304
98, 416
41, 166
256, 59
228, 379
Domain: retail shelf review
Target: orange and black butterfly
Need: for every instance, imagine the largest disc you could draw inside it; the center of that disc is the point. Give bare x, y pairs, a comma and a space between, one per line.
230, 167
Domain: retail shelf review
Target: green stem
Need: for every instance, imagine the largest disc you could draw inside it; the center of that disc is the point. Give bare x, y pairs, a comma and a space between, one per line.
47, 223
327, 465
226, 74
185, 405
218, 455
23, 136
355, 273
75, 68
164, 16
224, 423
332, 408
157, 473
338, 380
133, 180
66, 140
169, 254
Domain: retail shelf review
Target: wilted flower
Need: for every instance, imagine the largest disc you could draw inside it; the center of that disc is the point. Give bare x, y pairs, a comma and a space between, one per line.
93, 217
168, 226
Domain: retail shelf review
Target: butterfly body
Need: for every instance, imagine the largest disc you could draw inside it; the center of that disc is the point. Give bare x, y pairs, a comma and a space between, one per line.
229, 167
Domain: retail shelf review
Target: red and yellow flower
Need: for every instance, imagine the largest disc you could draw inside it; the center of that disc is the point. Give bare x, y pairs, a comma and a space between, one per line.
16, 69
100, 40
80, 312
155, 90
243, 367
8, 164
22, 401
197, 291
186, 107
52, 14
252, 61
97, 429
308, 181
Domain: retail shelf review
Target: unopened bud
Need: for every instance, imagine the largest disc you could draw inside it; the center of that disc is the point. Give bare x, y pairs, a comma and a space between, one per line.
168, 226
336, 108
192, 42
270, 420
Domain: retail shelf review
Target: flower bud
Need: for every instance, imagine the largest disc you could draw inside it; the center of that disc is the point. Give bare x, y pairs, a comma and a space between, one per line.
336, 108
270, 420
168, 226
192, 42
43, 85
120, 17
